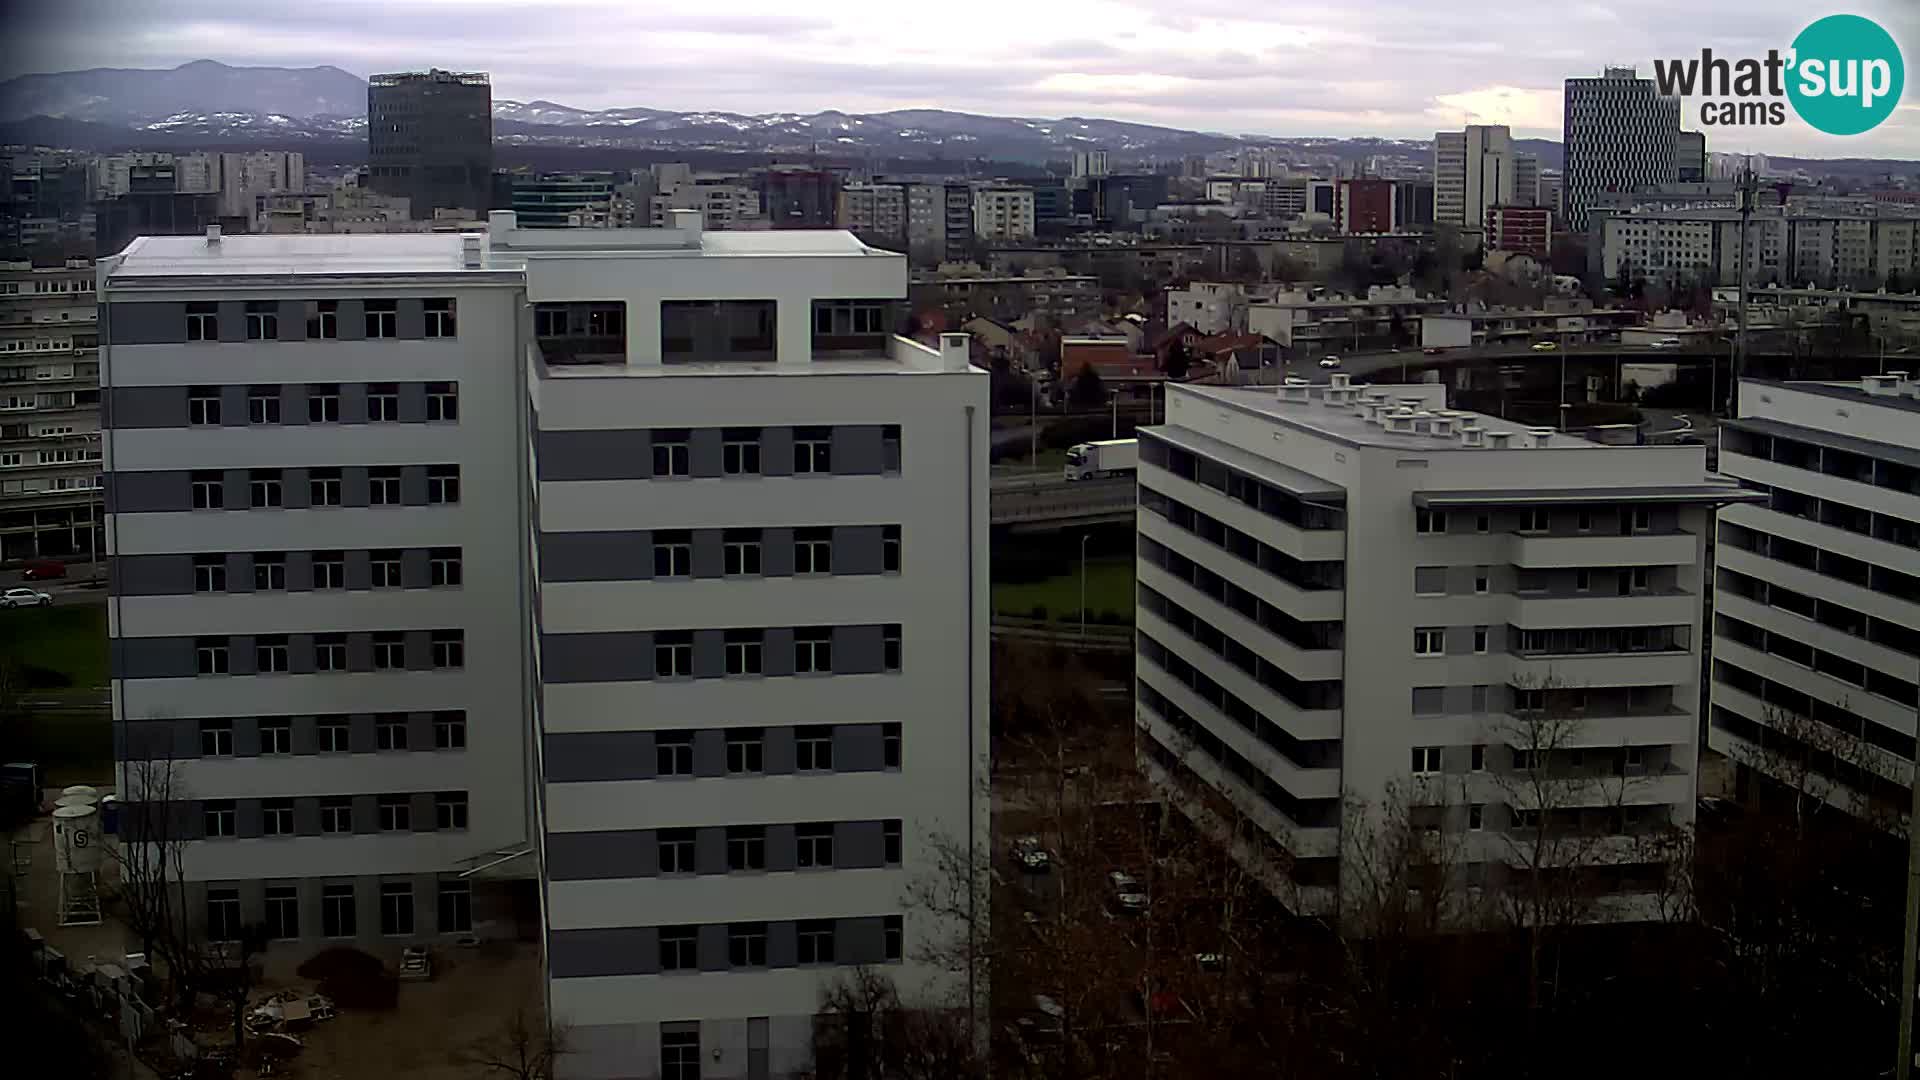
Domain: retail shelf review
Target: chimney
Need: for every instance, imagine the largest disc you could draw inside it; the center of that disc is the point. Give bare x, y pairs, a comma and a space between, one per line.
1877, 385
471, 256
213, 236
955, 349
501, 222
689, 222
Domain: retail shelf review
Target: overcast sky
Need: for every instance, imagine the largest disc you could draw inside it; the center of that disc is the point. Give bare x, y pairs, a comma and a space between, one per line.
1283, 67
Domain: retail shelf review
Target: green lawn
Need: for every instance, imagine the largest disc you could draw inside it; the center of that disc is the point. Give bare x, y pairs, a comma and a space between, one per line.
70, 639
1109, 588
1049, 461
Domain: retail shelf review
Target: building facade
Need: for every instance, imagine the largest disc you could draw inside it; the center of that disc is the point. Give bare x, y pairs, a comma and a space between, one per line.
430, 138
1002, 214
1351, 592
875, 212
1526, 180
565, 201
1526, 229
49, 413
1816, 650
1620, 134
1364, 205
1472, 170
245, 177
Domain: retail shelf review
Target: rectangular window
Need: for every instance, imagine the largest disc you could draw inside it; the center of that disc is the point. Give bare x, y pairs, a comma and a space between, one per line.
390, 731
1482, 579
1479, 639
890, 647
323, 403
450, 731
263, 320
203, 322
1535, 521
890, 549
269, 571
813, 748
673, 654
330, 652
336, 736
813, 650
336, 815
283, 912
396, 813
450, 810
323, 319
383, 403
747, 945
219, 817
893, 938
209, 491
890, 448
389, 651
444, 565
456, 908
740, 452
673, 753
443, 484
1479, 701
203, 406
383, 486
1429, 641
745, 752
746, 847
676, 851
443, 401
890, 745
276, 735
742, 552
329, 570
216, 737
276, 817
263, 405
1642, 520
1429, 522
891, 842
816, 845
1482, 523
816, 941
383, 318
1583, 520
449, 649
384, 568
671, 456
439, 317
1426, 760
337, 911
209, 573
396, 904
210, 655
223, 914
263, 489
743, 652
1582, 580
1479, 758
812, 450
323, 487
680, 951
1638, 580
672, 554
1476, 817
680, 1051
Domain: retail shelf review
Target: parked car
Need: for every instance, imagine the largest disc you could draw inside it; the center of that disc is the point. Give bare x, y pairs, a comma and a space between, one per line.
1329, 361
1030, 856
24, 598
1544, 346
43, 570
1128, 897
1433, 350
1665, 343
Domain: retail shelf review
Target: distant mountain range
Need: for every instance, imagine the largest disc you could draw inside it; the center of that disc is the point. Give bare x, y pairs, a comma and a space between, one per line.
206, 103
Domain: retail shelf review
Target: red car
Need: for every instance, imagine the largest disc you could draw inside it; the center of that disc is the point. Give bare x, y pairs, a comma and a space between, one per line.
43, 570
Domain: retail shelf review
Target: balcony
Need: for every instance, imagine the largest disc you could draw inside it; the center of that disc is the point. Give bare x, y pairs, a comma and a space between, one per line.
1535, 551
1539, 611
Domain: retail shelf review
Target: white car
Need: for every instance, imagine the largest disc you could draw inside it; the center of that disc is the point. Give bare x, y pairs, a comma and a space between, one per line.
1127, 895
1329, 361
1665, 343
1030, 856
24, 598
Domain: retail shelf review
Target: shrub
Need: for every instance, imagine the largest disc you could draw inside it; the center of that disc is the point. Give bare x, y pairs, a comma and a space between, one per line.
353, 979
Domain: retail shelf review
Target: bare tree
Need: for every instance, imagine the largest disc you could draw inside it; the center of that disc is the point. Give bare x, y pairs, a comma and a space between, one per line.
526, 1048
863, 1031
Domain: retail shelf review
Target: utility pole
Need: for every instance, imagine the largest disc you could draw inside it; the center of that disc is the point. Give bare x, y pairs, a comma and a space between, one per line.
1903, 1069
1749, 187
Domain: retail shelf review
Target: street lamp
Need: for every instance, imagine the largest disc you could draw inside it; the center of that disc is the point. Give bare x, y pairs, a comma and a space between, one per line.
1113, 397
1084, 537
1033, 423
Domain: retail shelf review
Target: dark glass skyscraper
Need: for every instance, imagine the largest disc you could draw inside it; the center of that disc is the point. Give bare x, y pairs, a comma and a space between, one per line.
430, 138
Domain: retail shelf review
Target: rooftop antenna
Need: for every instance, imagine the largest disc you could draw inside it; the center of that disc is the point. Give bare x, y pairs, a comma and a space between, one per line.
1749, 186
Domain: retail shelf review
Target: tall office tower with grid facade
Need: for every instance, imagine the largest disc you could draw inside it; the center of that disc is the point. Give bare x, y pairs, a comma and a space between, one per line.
1619, 134
430, 138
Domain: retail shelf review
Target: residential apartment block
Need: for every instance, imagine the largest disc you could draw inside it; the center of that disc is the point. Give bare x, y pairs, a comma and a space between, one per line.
1817, 600
49, 412
1351, 591
1472, 170
1829, 250
1003, 213
626, 584
876, 212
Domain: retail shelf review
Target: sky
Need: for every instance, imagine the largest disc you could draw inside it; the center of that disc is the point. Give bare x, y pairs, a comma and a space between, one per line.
1398, 68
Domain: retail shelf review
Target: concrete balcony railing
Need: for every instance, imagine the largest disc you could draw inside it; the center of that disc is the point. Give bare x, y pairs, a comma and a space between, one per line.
1539, 611
1637, 549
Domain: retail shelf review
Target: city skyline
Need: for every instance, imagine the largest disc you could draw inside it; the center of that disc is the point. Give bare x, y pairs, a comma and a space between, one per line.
1282, 71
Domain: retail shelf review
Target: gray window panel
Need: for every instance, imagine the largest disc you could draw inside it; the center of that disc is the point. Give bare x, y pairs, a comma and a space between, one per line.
410, 321
240, 656
413, 485
425, 819
581, 954
426, 905
420, 730
352, 320
782, 847
300, 654
709, 654
709, 554
153, 658
293, 396
777, 751
299, 570
860, 940
857, 748
1428, 700
235, 481
857, 450
247, 819
595, 455
293, 321
239, 571
776, 446
616, 657
703, 451
150, 575
354, 492
710, 753
186, 737
353, 402
146, 324
710, 850
776, 651
366, 901
1497, 638
306, 733
359, 575
858, 650
246, 736
419, 650
1458, 700
859, 845
137, 740
149, 492
306, 809
1458, 580
128, 407
856, 549
362, 735
596, 556
413, 403
253, 901
783, 945
295, 494
233, 406
776, 552
233, 320
1459, 641
601, 856
1432, 579
587, 756
416, 570
713, 947
366, 819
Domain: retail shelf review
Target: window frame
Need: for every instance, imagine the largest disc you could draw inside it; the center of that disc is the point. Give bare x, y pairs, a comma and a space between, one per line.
1427, 760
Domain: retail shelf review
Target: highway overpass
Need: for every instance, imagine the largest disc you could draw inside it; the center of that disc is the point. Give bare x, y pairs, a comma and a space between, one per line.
1048, 502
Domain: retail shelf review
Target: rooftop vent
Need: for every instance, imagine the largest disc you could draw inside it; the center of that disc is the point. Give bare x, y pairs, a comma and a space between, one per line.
1441, 426
1877, 385
1340, 379
213, 235
1539, 436
470, 251
1499, 440
1412, 404
1336, 396
689, 222
956, 350
1473, 435
1400, 421
1295, 391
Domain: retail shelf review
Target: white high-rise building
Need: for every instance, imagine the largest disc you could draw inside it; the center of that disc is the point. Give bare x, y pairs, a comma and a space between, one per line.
244, 176
641, 568
1349, 590
1526, 180
1817, 599
1003, 213
1619, 134
1472, 170
1091, 163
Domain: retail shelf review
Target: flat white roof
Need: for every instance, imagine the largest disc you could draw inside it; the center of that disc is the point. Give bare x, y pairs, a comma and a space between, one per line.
1344, 424
302, 254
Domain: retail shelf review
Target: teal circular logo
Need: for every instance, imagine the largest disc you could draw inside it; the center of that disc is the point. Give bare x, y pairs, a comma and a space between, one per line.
1847, 75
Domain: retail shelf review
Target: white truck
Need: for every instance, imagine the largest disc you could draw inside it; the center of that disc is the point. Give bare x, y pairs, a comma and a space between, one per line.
1109, 457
